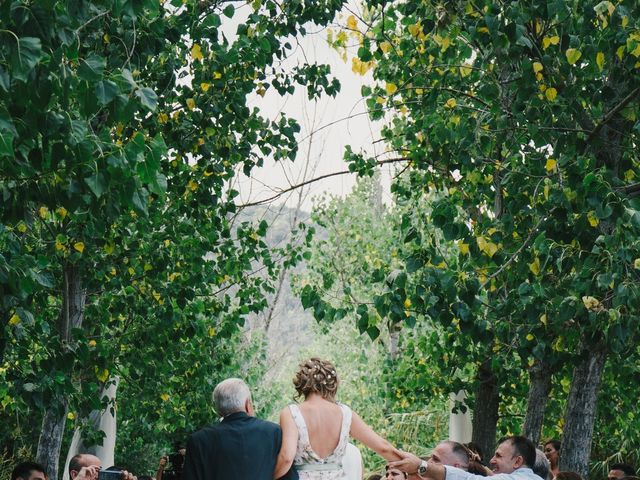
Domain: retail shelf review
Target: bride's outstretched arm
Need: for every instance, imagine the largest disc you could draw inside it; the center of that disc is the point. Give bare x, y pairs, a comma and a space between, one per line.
365, 434
289, 443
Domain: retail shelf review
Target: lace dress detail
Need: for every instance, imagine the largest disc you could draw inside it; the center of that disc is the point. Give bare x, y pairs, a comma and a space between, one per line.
310, 466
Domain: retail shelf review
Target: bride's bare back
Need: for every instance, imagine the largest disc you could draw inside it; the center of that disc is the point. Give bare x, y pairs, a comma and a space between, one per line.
324, 422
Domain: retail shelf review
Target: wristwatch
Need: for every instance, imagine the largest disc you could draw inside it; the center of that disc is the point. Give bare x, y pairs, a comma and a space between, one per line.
422, 469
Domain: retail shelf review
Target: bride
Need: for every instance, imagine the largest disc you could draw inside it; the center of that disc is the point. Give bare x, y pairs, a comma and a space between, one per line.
315, 432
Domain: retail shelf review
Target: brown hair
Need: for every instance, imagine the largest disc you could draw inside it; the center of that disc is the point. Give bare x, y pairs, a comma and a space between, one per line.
316, 375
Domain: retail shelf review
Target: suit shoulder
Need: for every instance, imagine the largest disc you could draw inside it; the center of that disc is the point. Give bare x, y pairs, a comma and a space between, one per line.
266, 425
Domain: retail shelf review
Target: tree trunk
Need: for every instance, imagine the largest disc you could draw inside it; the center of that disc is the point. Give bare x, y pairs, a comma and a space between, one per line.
485, 411
50, 439
55, 417
539, 388
581, 413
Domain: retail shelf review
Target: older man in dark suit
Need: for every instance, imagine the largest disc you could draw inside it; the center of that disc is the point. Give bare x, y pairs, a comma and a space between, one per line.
240, 447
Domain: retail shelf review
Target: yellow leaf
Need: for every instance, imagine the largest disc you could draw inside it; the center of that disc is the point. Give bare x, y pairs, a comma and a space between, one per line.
131, 271
482, 30
212, 332
193, 186
163, 118
43, 212
465, 71
593, 220
79, 246
191, 103
62, 212
463, 247
546, 192
157, 296
113, 272
147, 267
415, 29
620, 52
205, 86
217, 75
573, 55
629, 175
385, 47
451, 103
489, 248
535, 266
102, 375
164, 397
391, 88
591, 303
196, 52
14, 320
625, 21
636, 264
407, 303
109, 248
106, 38
537, 67
22, 227
551, 94
380, 100
600, 60
530, 337
92, 343
352, 22
71, 416
550, 165
546, 41
543, 319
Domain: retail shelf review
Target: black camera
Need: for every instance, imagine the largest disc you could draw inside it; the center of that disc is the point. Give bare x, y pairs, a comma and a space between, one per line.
109, 475
176, 462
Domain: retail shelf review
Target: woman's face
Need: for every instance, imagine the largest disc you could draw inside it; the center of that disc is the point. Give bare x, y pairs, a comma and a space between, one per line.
551, 453
394, 474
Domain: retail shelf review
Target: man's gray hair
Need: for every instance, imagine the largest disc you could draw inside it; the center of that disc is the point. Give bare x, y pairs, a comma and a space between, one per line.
230, 396
542, 466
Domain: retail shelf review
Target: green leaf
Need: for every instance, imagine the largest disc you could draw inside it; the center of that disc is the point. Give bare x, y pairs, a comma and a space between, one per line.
6, 144
229, 10
106, 90
25, 57
92, 67
78, 131
97, 184
148, 98
5, 82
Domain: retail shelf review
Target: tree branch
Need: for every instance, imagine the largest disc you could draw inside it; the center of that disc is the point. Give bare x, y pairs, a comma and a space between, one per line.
625, 101
516, 253
313, 180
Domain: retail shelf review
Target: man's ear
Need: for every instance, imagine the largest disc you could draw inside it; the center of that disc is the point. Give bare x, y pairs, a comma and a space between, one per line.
518, 462
248, 406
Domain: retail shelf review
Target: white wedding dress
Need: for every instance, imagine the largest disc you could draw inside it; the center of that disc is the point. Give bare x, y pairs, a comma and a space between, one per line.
309, 464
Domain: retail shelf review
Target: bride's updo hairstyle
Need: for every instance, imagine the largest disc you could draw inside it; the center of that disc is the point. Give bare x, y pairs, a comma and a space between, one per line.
316, 375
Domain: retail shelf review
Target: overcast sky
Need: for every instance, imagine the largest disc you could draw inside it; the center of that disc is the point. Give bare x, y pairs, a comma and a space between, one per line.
336, 122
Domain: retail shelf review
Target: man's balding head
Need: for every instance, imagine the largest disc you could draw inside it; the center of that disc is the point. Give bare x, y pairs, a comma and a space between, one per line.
82, 460
451, 453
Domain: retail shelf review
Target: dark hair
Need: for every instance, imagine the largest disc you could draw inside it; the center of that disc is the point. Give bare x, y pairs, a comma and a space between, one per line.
374, 476
624, 467
556, 445
75, 463
567, 475
316, 375
459, 450
475, 448
524, 447
24, 469
386, 469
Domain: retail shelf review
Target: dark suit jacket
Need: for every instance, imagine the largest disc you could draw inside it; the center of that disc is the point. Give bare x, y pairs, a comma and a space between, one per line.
239, 448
